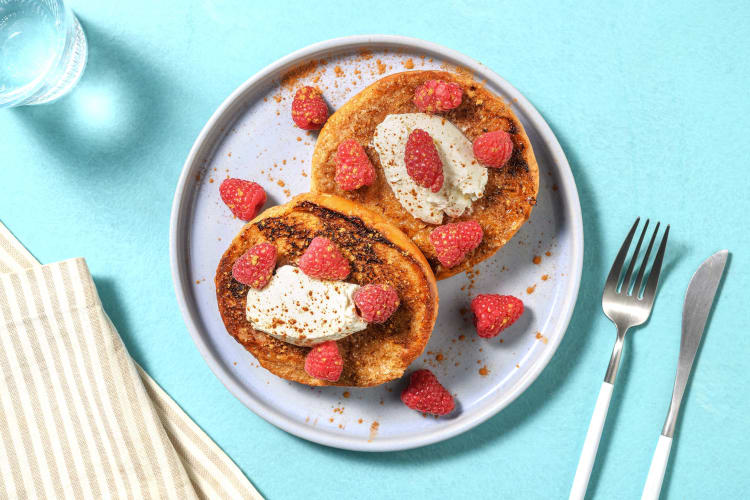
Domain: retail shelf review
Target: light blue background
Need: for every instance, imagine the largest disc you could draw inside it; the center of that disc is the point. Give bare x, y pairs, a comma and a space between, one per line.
649, 101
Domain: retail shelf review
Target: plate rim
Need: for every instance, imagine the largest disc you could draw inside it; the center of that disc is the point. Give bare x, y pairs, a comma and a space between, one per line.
178, 255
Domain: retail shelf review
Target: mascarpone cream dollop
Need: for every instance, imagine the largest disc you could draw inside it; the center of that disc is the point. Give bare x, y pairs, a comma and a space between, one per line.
301, 310
465, 178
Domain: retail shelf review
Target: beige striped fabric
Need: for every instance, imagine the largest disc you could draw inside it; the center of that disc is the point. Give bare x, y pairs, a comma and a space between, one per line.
78, 417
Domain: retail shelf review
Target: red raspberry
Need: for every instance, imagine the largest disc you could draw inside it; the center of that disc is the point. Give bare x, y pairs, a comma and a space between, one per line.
244, 198
323, 260
425, 394
324, 361
453, 241
255, 267
493, 149
436, 95
494, 313
422, 161
309, 110
376, 303
353, 167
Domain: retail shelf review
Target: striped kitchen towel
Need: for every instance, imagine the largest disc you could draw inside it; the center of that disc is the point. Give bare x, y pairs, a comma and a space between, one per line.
78, 417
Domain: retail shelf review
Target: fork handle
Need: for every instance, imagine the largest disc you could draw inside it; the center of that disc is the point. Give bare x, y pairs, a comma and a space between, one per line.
658, 466
591, 444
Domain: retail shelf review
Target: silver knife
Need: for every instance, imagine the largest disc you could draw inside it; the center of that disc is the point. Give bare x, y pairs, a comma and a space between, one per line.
698, 301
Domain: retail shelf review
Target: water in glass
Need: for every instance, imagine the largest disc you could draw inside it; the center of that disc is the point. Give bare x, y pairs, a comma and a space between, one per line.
42, 51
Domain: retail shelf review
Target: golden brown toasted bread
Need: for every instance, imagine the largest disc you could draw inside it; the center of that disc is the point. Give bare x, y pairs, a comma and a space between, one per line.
510, 192
378, 253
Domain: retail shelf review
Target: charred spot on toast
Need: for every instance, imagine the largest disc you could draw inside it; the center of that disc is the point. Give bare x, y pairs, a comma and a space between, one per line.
361, 231
517, 163
348, 232
237, 289
274, 228
510, 125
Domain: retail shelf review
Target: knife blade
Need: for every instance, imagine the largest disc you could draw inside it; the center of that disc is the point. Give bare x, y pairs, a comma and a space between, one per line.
698, 301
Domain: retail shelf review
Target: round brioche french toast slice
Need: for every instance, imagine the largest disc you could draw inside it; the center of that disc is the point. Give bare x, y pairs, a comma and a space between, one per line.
377, 252
508, 196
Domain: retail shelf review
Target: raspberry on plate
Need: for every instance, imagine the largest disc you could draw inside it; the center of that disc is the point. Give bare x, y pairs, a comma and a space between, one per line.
422, 161
353, 167
244, 198
452, 242
376, 302
436, 95
493, 149
494, 313
427, 395
324, 260
255, 267
309, 110
324, 361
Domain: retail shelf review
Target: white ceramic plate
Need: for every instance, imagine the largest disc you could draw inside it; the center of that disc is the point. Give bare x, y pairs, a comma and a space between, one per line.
252, 136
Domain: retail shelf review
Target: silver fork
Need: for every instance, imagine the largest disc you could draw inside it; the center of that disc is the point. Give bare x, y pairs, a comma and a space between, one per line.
626, 309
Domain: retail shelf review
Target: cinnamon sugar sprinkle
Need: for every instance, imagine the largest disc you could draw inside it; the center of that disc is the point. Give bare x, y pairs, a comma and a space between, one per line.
297, 73
373, 430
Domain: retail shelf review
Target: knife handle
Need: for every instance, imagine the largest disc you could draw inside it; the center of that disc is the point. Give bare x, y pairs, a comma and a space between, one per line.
658, 466
591, 444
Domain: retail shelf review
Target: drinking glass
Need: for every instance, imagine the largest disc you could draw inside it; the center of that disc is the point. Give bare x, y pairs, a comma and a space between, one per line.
42, 51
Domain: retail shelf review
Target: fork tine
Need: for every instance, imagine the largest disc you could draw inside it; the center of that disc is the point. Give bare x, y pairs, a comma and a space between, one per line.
653, 278
614, 273
626, 280
644, 264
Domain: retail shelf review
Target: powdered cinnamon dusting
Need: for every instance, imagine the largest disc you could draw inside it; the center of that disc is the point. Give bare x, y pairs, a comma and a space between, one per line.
373, 430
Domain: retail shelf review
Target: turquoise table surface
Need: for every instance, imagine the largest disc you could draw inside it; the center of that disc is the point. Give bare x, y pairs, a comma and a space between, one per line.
650, 103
